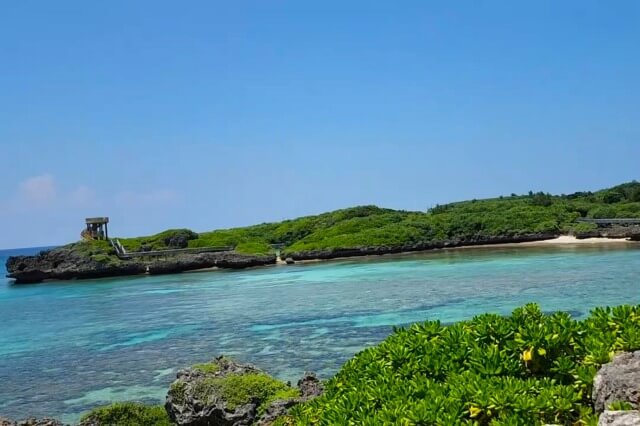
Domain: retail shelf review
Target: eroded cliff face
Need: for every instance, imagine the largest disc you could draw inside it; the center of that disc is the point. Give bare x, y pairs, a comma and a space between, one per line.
631, 232
66, 263
334, 253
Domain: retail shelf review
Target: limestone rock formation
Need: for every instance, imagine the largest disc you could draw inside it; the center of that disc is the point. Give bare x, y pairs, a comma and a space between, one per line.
453, 242
228, 393
180, 238
72, 262
618, 381
310, 387
191, 402
619, 418
66, 262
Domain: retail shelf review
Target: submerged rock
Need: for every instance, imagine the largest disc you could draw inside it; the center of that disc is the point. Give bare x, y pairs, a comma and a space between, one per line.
31, 421
228, 393
618, 381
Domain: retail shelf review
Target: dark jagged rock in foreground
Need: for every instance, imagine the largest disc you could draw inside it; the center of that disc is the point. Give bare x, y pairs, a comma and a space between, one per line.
310, 387
65, 263
225, 392
618, 381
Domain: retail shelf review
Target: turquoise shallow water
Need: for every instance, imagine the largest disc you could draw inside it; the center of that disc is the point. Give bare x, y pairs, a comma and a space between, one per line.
68, 346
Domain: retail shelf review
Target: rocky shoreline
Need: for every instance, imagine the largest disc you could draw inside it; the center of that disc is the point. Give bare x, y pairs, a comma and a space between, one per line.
433, 245
67, 263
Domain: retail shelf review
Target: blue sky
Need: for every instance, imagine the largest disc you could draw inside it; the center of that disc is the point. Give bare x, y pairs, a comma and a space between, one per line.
207, 114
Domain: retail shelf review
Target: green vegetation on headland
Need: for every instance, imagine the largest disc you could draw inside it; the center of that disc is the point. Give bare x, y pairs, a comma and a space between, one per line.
528, 368
371, 226
357, 231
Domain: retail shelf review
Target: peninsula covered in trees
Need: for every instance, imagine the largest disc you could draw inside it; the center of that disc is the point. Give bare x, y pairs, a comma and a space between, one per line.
363, 230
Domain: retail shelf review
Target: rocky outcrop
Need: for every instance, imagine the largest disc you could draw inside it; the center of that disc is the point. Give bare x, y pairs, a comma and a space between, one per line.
69, 262
192, 261
31, 421
380, 250
180, 238
618, 381
630, 232
619, 418
191, 402
309, 386
224, 392
66, 263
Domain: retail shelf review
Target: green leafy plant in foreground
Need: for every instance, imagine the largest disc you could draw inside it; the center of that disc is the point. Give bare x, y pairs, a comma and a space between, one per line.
620, 406
524, 369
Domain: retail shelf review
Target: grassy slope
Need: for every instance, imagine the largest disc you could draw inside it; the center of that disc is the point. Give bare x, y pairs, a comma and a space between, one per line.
373, 226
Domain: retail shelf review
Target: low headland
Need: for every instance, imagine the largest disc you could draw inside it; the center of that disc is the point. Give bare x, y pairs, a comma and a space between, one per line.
357, 231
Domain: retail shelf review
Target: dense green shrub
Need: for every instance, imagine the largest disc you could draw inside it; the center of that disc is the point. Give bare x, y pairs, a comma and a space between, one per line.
578, 228
128, 414
525, 369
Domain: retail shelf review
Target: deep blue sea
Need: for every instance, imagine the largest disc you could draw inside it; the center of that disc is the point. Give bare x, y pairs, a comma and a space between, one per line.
66, 347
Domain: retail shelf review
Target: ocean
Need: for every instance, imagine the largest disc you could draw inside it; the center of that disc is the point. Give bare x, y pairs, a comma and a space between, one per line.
66, 347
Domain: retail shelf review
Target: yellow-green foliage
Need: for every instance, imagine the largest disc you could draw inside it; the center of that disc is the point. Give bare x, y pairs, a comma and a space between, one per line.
98, 250
208, 367
93, 247
128, 414
177, 390
620, 406
239, 389
525, 369
254, 247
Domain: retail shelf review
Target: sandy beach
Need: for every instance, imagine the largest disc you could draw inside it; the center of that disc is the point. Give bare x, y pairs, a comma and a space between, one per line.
568, 239
563, 240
